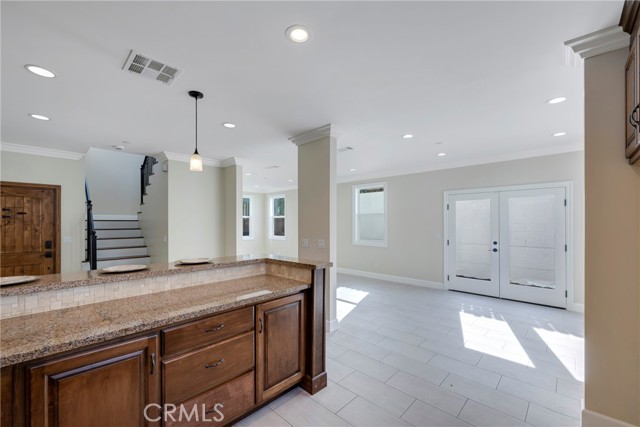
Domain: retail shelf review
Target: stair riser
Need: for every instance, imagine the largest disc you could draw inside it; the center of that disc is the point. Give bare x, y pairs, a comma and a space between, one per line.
118, 233
115, 224
111, 253
105, 264
119, 243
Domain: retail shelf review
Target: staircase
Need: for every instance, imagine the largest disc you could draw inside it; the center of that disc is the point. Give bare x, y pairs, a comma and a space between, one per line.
119, 241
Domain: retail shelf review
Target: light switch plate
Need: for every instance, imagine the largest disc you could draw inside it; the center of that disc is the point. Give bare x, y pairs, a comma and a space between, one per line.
305, 243
321, 243
66, 240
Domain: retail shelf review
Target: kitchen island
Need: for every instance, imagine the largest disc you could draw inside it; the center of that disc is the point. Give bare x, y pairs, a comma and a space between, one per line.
171, 345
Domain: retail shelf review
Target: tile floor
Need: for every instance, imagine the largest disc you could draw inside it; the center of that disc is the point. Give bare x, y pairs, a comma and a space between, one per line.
407, 356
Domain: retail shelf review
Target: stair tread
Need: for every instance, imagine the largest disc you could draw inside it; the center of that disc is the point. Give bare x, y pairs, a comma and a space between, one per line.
119, 238
123, 257
121, 247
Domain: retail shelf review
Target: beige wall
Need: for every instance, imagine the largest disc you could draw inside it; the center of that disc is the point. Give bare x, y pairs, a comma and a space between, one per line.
232, 208
154, 216
196, 211
69, 174
289, 246
415, 220
612, 319
114, 181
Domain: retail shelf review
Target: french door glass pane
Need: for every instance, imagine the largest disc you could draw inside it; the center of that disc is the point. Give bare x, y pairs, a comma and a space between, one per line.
532, 241
473, 239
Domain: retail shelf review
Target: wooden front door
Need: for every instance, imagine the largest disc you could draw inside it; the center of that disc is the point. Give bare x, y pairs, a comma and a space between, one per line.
30, 229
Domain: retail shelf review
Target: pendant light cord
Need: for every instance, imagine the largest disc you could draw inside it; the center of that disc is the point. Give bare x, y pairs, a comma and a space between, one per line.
196, 124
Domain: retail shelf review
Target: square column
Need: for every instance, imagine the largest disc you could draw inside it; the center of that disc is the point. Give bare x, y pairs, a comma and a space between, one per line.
317, 206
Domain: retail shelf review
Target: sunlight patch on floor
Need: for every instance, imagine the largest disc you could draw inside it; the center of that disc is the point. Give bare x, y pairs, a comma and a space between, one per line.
558, 342
473, 341
346, 300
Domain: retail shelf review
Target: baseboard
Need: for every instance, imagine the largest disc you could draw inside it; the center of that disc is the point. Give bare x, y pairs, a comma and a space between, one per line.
99, 217
577, 307
391, 278
595, 419
332, 325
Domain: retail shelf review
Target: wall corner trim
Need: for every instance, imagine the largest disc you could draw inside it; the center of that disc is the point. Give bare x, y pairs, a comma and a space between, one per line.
332, 325
40, 151
599, 42
392, 278
179, 157
595, 419
312, 135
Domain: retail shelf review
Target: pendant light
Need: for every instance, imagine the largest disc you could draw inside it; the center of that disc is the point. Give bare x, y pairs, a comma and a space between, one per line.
195, 165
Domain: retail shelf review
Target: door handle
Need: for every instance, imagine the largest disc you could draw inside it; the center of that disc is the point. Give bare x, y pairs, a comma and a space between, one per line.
48, 254
493, 250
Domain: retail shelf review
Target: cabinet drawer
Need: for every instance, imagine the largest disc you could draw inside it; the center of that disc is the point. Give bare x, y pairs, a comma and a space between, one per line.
207, 331
193, 373
236, 398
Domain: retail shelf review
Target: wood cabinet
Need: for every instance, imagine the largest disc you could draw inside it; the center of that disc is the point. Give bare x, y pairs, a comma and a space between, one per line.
105, 387
280, 345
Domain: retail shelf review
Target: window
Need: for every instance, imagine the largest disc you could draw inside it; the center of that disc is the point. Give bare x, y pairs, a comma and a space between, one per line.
247, 222
370, 214
277, 217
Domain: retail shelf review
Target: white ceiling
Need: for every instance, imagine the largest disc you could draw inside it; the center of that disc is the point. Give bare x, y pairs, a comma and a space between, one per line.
472, 75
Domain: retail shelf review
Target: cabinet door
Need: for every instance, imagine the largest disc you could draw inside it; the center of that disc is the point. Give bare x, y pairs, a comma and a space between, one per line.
280, 345
631, 102
108, 386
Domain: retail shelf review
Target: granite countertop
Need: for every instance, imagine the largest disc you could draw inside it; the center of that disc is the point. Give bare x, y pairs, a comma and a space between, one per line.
33, 336
71, 280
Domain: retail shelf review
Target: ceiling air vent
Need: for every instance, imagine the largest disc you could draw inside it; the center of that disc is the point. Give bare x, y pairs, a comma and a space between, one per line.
344, 149
150, 68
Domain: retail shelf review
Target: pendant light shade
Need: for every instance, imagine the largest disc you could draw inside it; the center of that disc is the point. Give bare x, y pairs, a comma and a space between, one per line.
195, 164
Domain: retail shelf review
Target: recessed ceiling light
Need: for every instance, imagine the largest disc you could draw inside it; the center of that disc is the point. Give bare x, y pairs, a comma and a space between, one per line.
248, 174
297, 33
442, 154
559, 134
557, 100
290, 180
119, 147
256, 186
42, 72
39, 117
407, 136
352, 170
228, 125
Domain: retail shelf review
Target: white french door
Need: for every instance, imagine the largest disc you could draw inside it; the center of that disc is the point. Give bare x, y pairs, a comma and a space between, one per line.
509, 244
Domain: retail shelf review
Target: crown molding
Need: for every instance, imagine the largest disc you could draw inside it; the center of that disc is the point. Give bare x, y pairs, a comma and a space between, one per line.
599, 42
312, 135
569, 148
231, 161
179, 157
40, 151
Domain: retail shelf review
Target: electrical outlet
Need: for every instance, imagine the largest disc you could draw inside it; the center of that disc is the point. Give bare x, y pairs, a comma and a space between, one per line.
164, 239
320, 243
305, 243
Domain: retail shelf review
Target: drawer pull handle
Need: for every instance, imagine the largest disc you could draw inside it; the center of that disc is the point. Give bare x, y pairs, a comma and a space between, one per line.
213, 365
217, 328
153, 362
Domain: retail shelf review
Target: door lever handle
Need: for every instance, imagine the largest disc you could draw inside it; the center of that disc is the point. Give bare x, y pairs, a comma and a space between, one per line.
493, 250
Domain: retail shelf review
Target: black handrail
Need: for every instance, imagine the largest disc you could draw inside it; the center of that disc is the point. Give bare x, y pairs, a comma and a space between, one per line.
92, 246
146, 170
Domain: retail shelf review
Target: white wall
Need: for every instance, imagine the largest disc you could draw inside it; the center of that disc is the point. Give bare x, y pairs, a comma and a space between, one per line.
154, 216
114, 181
196, 211
288, 246
69, 174
416, 217
255, 245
